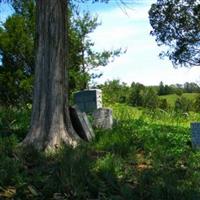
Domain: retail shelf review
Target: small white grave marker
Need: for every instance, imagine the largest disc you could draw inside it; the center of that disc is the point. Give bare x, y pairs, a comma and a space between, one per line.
103, 118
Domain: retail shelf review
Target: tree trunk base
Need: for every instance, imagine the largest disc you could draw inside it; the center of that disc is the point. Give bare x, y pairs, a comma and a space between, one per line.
51, 143
50, 122
58, 134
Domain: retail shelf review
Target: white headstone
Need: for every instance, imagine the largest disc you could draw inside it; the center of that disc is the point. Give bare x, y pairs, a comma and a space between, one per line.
103, 118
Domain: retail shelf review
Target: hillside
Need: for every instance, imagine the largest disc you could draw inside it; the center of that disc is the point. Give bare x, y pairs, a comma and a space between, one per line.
171, 98
147, 156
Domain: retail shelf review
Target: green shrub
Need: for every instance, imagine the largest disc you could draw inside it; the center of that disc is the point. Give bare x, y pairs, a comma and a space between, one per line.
163, 104
183, 104
197, 104
14, 121
150, 99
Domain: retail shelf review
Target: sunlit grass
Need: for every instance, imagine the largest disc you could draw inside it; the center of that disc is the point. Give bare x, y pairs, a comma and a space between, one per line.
147, 155
171, 98
155, 116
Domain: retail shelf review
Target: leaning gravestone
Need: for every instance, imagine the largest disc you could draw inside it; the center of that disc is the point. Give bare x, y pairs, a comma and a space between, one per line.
88, 100
103, 118
195, 126
81, 124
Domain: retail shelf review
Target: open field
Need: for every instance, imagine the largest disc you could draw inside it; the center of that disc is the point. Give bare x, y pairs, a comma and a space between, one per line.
146, 156
171, 98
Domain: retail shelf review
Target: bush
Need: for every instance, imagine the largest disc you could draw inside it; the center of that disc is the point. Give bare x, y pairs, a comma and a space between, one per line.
197, 104
13, 120
150, 99
136, 94
183, 104
163, 104
179, 92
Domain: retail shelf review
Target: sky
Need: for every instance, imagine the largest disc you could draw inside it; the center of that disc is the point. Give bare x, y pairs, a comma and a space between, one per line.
130, 29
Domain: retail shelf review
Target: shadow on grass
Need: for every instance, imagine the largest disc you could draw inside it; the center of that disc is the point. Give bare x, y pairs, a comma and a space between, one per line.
135, 160
79, 173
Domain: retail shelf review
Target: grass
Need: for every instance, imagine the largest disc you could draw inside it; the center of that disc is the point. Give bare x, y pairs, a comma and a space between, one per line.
171, 98
14, 120
146, 156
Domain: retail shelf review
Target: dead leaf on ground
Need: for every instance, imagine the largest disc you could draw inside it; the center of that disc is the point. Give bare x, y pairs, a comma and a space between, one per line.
8, 192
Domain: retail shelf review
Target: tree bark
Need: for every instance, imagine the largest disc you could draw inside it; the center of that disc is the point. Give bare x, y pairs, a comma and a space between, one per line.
50, 121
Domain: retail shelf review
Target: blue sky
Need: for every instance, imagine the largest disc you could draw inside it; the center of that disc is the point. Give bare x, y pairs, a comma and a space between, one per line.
5, 10
130, 31
141, 63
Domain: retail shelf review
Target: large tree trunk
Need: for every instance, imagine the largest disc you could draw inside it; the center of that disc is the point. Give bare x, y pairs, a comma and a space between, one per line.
50, 121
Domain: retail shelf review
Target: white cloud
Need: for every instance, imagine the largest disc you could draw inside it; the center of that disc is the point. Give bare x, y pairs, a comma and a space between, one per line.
141, 62
113, 37
118, 29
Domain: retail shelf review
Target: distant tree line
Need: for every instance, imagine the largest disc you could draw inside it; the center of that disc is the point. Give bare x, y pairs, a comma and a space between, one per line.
178, 88
139, 95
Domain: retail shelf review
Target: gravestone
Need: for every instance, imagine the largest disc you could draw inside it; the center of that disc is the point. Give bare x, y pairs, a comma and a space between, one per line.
88, 100
103, 118
81, 124
195, 126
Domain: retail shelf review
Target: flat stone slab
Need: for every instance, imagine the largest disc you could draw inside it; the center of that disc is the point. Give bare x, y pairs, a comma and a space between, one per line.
81, 124
195, 127
103, 118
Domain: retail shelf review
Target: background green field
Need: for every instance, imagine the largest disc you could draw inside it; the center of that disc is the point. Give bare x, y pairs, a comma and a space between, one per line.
171, 98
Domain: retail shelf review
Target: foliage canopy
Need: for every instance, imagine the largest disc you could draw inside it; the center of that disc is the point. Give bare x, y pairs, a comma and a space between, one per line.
176, 24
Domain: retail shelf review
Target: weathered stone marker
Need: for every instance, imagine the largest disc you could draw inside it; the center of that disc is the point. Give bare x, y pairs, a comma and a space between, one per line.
81, 124
88, 100
195, 126
103, 118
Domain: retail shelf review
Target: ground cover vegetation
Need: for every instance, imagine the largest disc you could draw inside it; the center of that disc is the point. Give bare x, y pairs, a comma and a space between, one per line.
147, 155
